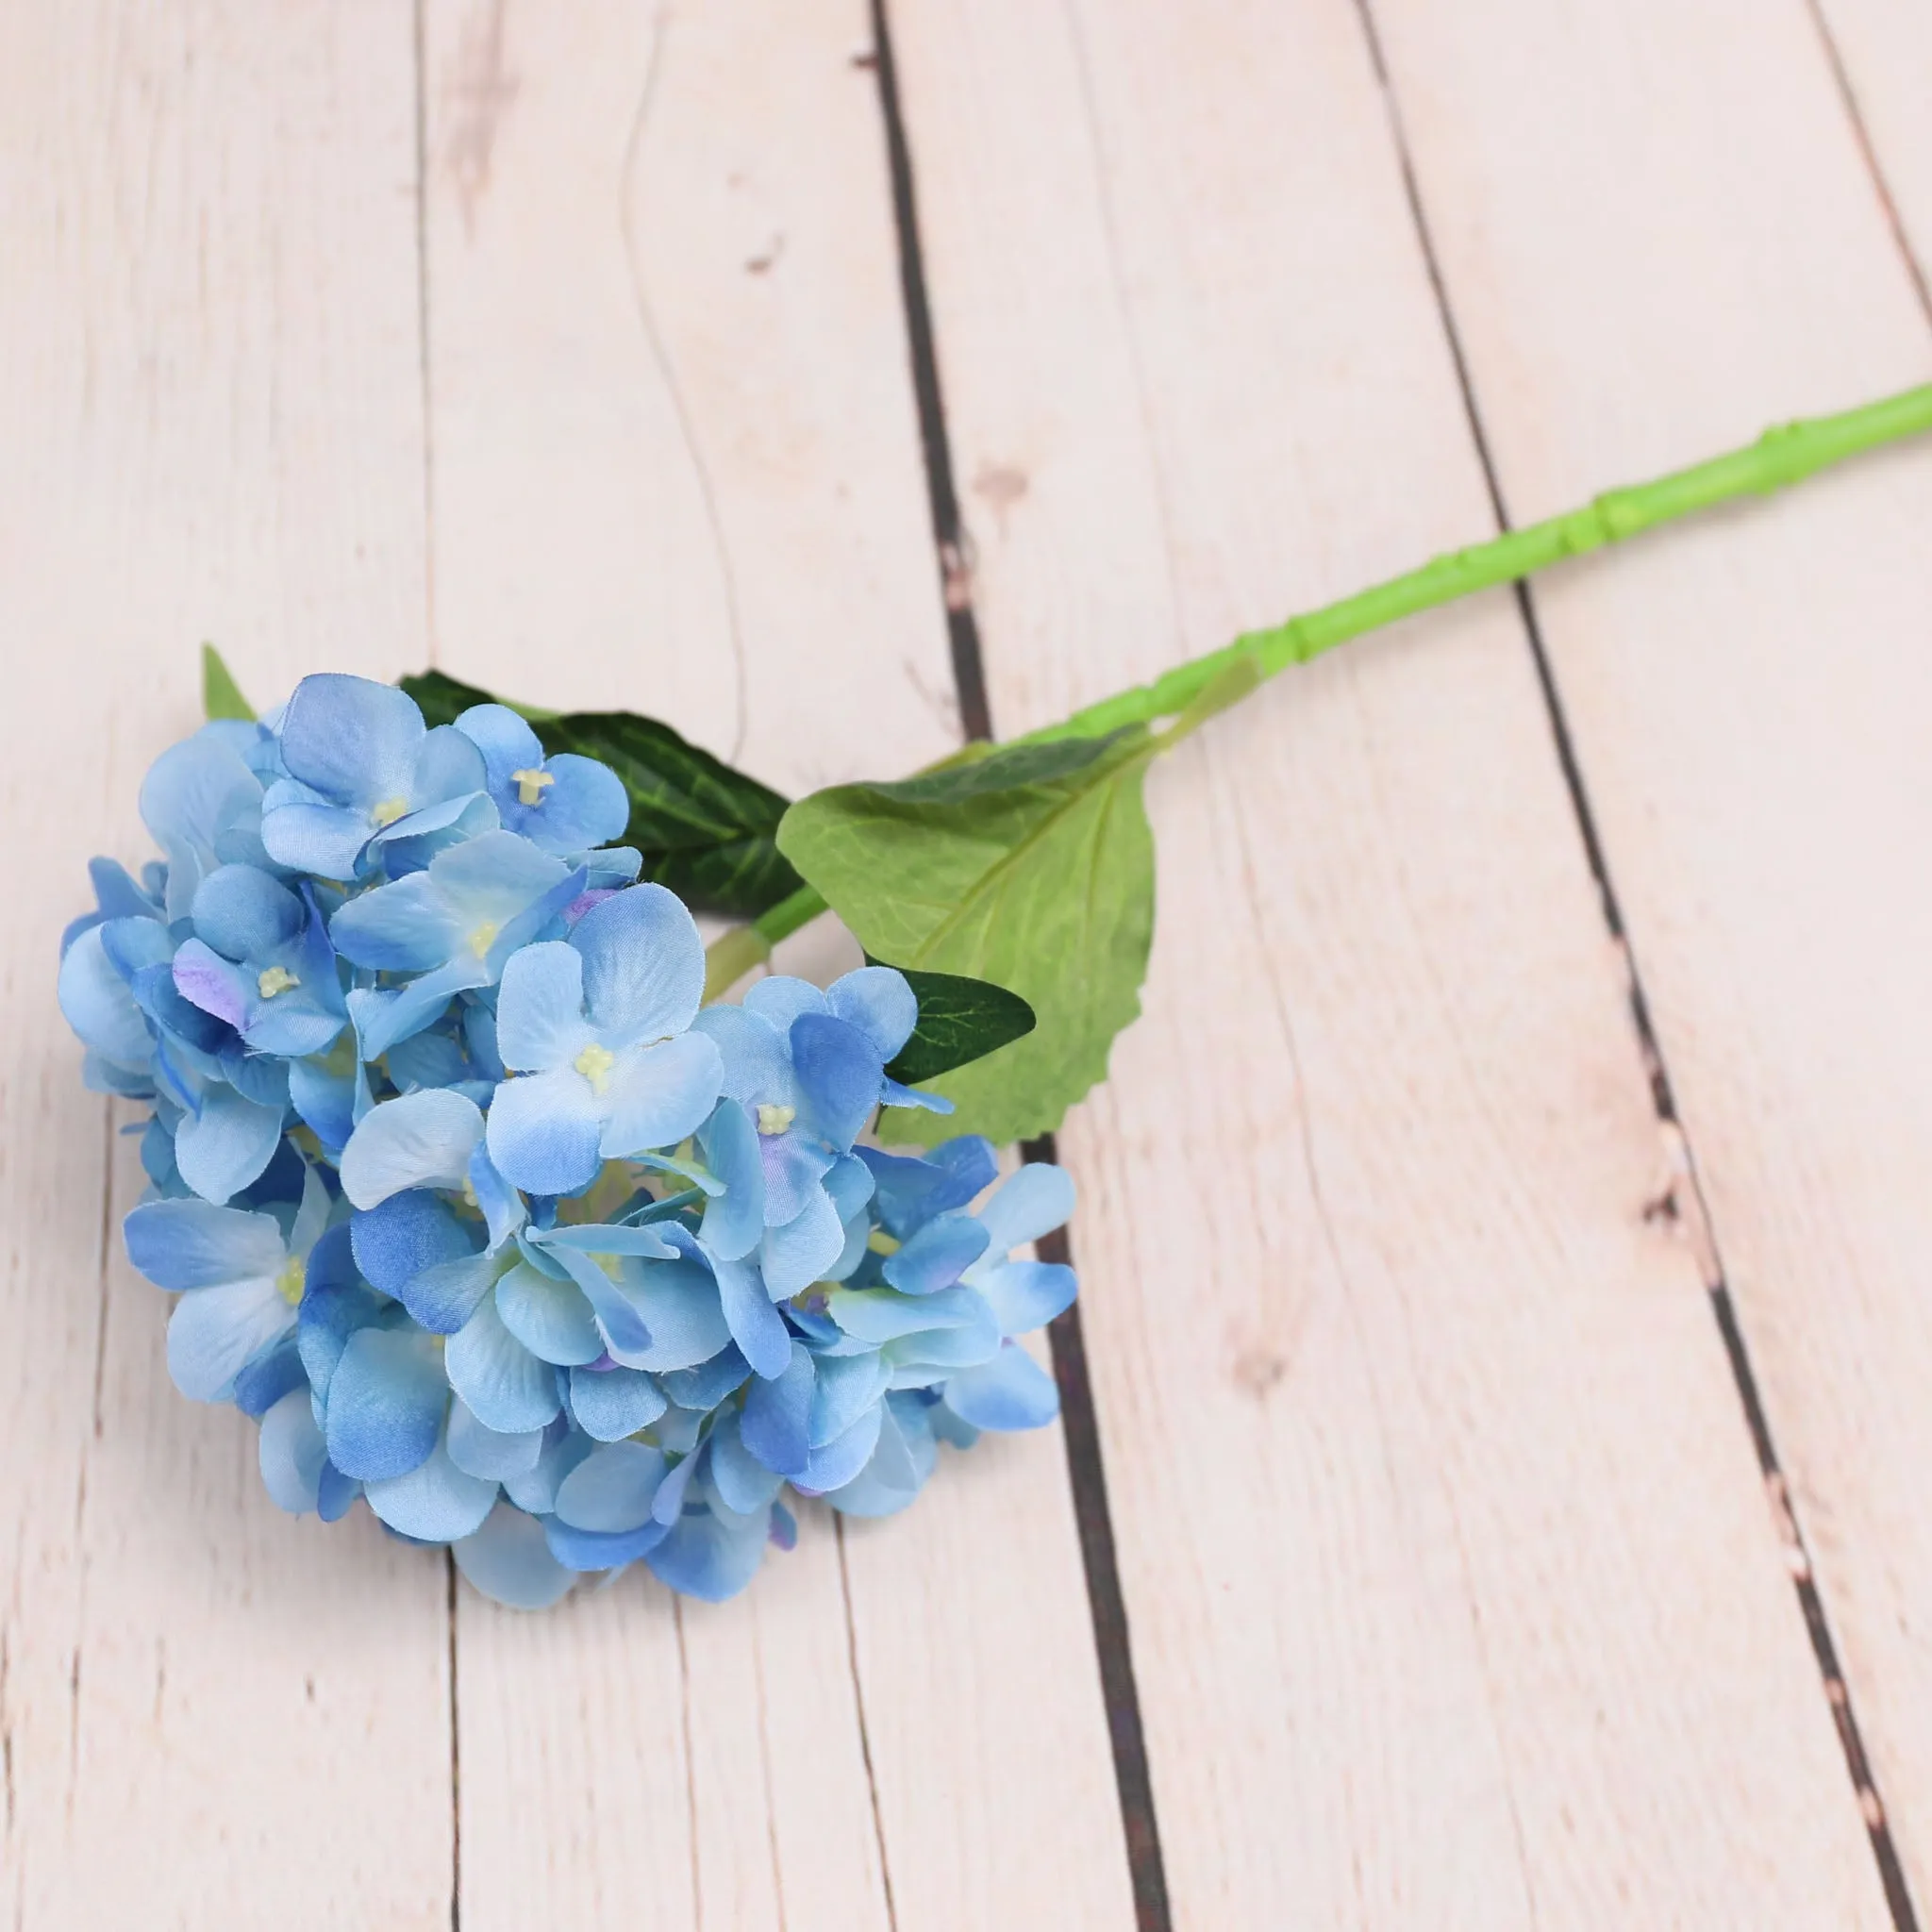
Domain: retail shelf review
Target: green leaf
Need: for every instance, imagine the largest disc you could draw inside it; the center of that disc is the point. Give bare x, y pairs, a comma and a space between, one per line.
960, 1019
1032, 868
706, 831
221, 696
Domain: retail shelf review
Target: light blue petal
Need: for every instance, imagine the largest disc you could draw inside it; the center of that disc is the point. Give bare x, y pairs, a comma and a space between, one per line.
409, 1232
606, 1238
588, 1549
847, 1387
898, 1470
1033, 1201
269, 1375
550, 1318
409, 926
894, 1094
794, 1256
586, 804
225, 1146
735, 1219
509, 1561
351, 739
659, 1095
291, 1454
835, 1464
700, 1390
614, 1302
756, 1325
609, 1404
386, 1403
448, 769
937, 1256
539, 1007
839, 1076
420, 1140
434, 1502
508, 1386
711, 1555
96, 1002
442, 1296
612, 1489
643, 964
758, 1064
878, 1002
505, 739
745, 1485
478, 1450
882, 1314
795, 1166
502, 1208
562, 1452
216, 1332
388, 1017
776, 1423
910, 1190
1012, 1392
1024, 1295
496, 877
849, 1182
243, 912
184, 1244
324, 841
779, 1000
324, 1101
544, 1130
678, 1302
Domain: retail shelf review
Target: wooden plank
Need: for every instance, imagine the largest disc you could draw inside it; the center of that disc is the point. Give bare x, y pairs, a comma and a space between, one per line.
1667, 239
1454, 1596
210, 406
1883, 49
675, 467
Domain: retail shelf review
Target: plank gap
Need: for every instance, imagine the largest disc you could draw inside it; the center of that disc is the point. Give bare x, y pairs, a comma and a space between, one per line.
1811, 1607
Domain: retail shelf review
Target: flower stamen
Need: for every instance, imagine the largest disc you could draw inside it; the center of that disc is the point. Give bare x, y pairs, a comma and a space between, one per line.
775, 1119
274, 979
389, 811
531, 784
594, 1063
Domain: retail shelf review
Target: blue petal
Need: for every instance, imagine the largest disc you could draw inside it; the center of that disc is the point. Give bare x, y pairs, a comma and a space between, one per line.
776, 1423
396, 1241
510, 1389
498, 876
502, 1208
351, 739
779, 999
612, 1489
1033, 1201
912, 1191
509, 1561
701, 1389
96, 1002
324, 1101
894, 1094
539, 1007
882, 1314
409, 926
478, 1450
269, 1376
214, 1333
386, 1403
614, 1302
436, 1503
937, 1256
225, 1146
610, 1404
587, 1549
505, 740
835, 1465
544, 1130
241, 911
661, 1095
795, 1166
847, 1387
795, 1255
442, 1296
563, 1449
711, 1556
550, 1318
420, 1140
1024, 1295
734, 1220
678, 1303
291, 1454
898, 1470
184, 1244
447, 771
878, 1002
742, 1482
849, 1182
335, 1494
586, 806
644, 963
839, 1076
1012, 1392
756, 1326
758, 1064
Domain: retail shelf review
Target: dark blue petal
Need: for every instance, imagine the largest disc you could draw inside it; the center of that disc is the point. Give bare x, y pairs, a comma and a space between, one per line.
776, 1423
839, 1075
585, 1549
711, 1556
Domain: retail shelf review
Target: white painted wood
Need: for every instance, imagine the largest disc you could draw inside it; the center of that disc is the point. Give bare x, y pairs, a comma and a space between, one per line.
211, 1713
675, 467
1454, 1599
1659, 233
1884, 48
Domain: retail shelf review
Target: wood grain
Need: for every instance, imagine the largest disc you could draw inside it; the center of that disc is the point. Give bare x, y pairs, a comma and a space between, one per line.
1454, 1600
675, 467
209, 1713
1667, 240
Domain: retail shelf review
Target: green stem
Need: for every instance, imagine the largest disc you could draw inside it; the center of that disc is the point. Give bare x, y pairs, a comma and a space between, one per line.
1778, 459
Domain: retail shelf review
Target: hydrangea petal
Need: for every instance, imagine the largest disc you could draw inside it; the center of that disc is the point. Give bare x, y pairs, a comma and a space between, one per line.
839, 1076
350, 738
96, 1002
877, 1001
243, 912
937, 1256
743, 1483
478, 1450
644, 963
1033, 1201
795, 1255
711, 1555
612, 1489
215, 1332
661, 1096
544, 1130
419, 1141
1024, 1295
509, 1561
778, 999
776, 1421
589, 1549
223, 1147
386, 1403
734, 1219
406, 1233
407, 926
550, 1318
609, 1404
436, 1503
1012, 1392
835, 1465
291, 1454
756, 1325
187, 1244
678, 1302
510, 1389
539, 1007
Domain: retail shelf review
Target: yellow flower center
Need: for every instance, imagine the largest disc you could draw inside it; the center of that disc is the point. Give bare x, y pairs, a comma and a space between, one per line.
484, 937
531, 786
880, 1242
275, 979
774, 1120
390, 810
594, 1063
290, 1282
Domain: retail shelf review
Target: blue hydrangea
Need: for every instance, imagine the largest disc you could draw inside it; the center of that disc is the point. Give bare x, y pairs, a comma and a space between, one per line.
468, 1204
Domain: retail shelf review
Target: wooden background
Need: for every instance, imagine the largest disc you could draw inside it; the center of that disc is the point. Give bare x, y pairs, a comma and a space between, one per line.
1506, 1239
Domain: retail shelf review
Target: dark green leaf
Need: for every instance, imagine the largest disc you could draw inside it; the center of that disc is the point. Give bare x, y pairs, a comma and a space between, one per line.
221, 696
1031, 867
960, 1019
706, 830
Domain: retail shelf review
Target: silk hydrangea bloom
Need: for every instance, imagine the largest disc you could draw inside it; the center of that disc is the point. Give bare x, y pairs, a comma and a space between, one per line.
466, 1201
